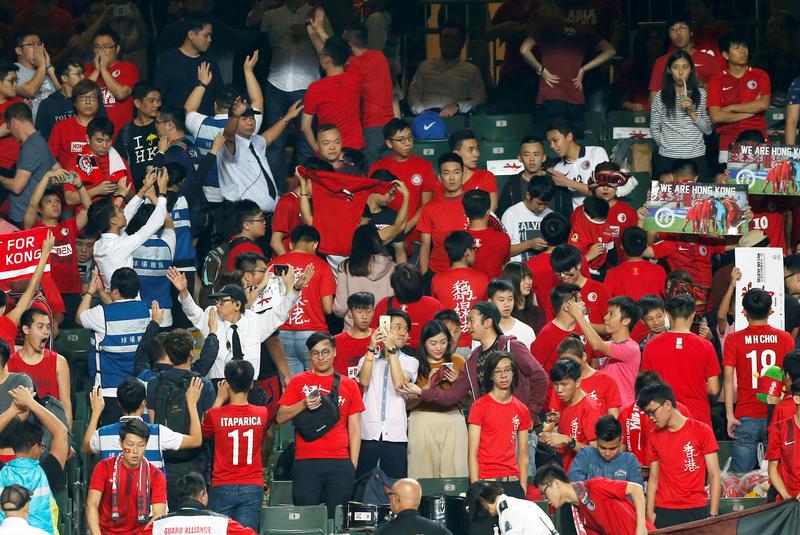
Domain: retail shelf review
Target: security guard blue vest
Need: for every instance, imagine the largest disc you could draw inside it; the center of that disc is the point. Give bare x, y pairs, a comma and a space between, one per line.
113, 359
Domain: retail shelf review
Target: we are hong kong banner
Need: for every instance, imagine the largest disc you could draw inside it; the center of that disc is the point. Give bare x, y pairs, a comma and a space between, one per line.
20, 253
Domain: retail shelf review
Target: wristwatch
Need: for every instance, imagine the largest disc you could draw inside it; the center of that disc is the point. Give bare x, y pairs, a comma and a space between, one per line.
540, 71
571, 443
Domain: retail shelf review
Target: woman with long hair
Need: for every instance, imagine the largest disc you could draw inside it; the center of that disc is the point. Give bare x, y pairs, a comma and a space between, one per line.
437, 433
368, 269
521, 278
679, 115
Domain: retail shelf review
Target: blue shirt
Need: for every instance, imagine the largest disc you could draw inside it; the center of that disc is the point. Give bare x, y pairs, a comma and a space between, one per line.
588, 464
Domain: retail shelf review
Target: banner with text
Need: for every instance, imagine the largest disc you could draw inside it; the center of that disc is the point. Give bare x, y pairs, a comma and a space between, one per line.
759, 267
707, 209
20, 252
765, 169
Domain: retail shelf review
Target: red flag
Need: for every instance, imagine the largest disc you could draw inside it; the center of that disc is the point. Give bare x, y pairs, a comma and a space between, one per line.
20, 253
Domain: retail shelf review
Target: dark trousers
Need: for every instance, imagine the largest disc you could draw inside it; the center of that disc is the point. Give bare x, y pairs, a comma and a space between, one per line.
276, 103
174, 471
328, 481
553, 109
393, 458
672, 517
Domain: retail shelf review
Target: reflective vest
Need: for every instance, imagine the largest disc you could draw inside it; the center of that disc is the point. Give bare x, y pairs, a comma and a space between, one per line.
110, 446
113, 359
151, 261
185, 255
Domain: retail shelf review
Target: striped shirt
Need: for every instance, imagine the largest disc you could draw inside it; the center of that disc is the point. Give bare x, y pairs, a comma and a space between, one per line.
677, 135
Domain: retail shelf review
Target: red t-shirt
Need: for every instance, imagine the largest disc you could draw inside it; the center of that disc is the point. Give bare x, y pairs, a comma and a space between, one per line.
586, 233
785, 409
44, 374
603, 506
705, 65
247, 246
577, 421
421, 312
492, 249
238, 431
128, 489
725, 89
307, 314
544, 346
66, 141
95, 170
544, 280
287, 217
459, 289
637, 427
9, 146
773, 225
439, 218
336, 100
64, 258
636, 279
684, 361
8, 331
595, 296
749, 351
416, 173
376, 89
499, 423
681, 464
600, 387
120, 112
783, 447
349, 351
480, 179
335, 443
693, 257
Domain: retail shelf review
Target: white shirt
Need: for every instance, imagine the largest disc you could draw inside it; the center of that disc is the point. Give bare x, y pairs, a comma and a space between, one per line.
253, 329
295, 64
113, 251
581, 169
240, 176
19, 526
47, 88
393, 427
522, 225
522, 331
522, 517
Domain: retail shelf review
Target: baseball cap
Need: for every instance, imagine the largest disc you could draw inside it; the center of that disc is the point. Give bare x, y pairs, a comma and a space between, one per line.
754, 238
489, 311
233, 291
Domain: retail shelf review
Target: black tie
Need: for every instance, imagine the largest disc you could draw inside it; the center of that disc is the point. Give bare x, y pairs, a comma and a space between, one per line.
272, 191
236, 344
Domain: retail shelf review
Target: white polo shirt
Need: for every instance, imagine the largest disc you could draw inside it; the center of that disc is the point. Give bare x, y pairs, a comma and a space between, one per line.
384, 416
581, 169
240, 175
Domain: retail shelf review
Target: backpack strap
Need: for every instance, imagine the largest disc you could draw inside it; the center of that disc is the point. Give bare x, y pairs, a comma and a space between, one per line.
390, 302
335, 389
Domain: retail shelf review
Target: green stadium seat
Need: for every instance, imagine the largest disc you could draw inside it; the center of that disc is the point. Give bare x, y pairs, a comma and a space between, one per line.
289, 519
284, 434
280, 493
725, 451
776, 118
75, 345
81, 409
497, 150
638, 196
594, 126
736, 505
455, 122
501, 127
431, 150
450, 486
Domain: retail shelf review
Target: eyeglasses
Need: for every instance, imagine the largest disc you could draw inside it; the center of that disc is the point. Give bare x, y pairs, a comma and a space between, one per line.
652, 413
257, 271
87, 98
789, 275
503, 371
403, 140
33, 44
325, 353
104, 47
225, 300
544, 490
260, 220
77, 73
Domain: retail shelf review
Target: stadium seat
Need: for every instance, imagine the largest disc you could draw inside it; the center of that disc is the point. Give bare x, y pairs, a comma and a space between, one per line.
280, 493
776, 118
497, 150
594, 126
725, 451
431, 150
451, 486
81, 409
284, 434
75, 345
501, 127
624, 119
288, 519
455, 122
736, 505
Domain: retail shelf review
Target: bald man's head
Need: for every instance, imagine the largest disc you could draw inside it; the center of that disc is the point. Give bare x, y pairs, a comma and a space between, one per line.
407, 493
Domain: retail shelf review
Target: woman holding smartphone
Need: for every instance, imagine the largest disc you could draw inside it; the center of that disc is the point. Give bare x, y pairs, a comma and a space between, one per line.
437, 433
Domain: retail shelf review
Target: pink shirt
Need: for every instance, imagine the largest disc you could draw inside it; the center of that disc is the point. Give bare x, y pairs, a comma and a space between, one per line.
623, 365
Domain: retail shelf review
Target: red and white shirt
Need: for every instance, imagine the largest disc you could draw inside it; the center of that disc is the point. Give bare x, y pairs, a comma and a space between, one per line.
120, 112
637, 427
603, 507
600, 387
636, 279
499, 424
287, 217
725, 89
492, 250
439, 218
307, 314
420, 312
416, 173
577, 421
459, 289
238, 431
66, 141
480, 179
783, 447
96, 169
64, 258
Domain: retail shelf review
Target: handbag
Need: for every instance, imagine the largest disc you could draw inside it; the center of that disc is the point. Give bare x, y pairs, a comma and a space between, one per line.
311, 425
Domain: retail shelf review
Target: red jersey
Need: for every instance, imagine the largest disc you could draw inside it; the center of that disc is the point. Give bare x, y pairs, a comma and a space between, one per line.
480, 179
637, 427
335, 443
785, 409
9, 146
120, 112
376, 87
421, 312
603, 507
246, 246
499, 424
439, 218
66, 141
95, 170
307, 314
595, 296
693, 257
416, 173
636, 279
783, 447
725, 89
544, 280
578, 422
685, 361
336, 100
128, 492
44, 374
600, 387
64, 258
544, 346
492, 249
349, 351
238, 431
774, 226
287, 217
705, 65
586, 232
681, 464
749, 352
8, 331
459, 289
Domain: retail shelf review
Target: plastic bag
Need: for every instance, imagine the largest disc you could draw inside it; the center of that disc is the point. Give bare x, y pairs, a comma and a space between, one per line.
756, 482
731, 483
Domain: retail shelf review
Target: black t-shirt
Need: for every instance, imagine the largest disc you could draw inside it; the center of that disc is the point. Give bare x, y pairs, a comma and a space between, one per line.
383, 218
54, 108
52, 470
409, 521
139, 146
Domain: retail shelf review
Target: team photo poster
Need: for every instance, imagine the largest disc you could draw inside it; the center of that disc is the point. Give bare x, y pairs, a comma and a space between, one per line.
705, 209
765, 169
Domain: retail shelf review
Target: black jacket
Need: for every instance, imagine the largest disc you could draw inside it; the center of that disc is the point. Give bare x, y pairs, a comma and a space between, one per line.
409, 522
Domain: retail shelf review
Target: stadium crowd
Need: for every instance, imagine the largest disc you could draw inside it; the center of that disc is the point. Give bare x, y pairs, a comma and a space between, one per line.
228, 199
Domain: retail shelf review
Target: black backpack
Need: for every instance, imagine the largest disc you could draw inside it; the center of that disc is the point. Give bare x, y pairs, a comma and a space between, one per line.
214, 265
171, 411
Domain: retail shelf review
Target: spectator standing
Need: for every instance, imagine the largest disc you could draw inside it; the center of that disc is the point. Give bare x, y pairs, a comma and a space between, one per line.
55, 23
781, 453
576, 163
285, 219
593, 236
523, 220
58, 105
545, 347
792, 112
654, 317
604, 183
491, 246
68, 137
352, 342
464, 143
137, 140
635, 276
606, 460
9, 145
329, 149
15, 503
567, 263
532, 156
501, 293
37, 76
250, 222
521, 279
151, 261
598, 385
555, 231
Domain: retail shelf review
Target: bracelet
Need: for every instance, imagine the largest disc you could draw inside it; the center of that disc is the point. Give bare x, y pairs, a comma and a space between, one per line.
79, 185
285, 121
201, 83
372, 350
84, 294
540, 71
304, 194
49, 67
296, 289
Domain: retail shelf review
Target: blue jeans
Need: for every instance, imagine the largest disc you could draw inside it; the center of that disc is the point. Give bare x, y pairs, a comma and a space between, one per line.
240, 502
276, 103
745, 446
294, 345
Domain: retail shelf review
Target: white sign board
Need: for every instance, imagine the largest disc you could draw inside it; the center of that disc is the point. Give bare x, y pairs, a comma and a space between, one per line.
504, 167
762, 267
623, 132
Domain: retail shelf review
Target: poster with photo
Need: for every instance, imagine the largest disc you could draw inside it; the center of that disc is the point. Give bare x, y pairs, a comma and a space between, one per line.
704, 209
760, 266
765, 169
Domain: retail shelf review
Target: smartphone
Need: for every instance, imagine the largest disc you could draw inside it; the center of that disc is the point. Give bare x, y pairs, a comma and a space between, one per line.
280, 269
447, 365
384, 321
314, 393
122, 10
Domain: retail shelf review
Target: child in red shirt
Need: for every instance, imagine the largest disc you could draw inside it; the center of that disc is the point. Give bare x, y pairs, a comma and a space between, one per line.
352, 343
681, 452
593, 236
783, 453
635, 276
545, 348
567, 262
492, 247
786, 407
